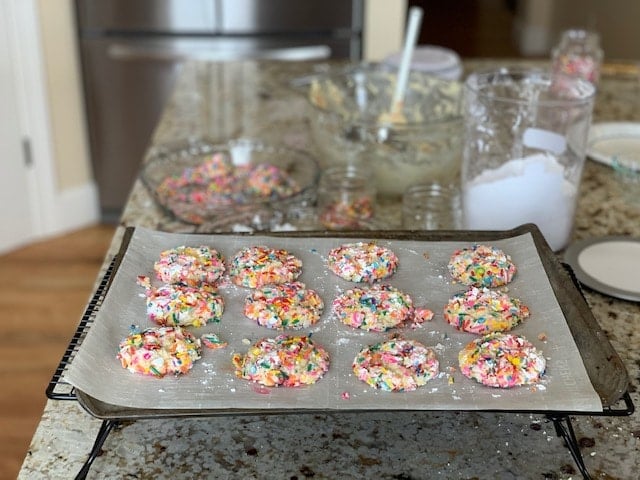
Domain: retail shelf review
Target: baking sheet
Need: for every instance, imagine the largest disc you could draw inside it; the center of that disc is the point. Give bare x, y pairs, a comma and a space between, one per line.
212, 384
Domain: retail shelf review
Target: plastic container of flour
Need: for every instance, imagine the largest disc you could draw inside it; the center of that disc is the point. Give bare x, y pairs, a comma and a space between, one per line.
525, 140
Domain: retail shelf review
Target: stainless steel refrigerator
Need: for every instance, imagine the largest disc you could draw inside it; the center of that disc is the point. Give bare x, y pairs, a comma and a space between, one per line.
131, 52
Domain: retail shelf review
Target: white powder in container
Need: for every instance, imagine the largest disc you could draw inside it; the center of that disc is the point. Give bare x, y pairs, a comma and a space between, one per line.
524, 190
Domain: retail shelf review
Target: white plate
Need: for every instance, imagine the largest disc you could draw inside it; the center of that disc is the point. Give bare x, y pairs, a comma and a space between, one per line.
613, 138
609, 265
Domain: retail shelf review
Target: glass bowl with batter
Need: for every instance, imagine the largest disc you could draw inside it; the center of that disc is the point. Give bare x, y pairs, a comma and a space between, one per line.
352, 123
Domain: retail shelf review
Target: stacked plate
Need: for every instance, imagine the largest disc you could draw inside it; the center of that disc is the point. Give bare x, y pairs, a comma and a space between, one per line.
610, 264
439, 61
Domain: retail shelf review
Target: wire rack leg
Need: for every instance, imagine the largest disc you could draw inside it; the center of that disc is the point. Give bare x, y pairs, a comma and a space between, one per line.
103, 433
564, 429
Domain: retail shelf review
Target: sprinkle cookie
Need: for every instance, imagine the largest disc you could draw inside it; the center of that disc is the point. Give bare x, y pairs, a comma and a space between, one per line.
376, 308
192, 266
362, 262
481, 266
159, 351
288, 361
502, 360
287, 305
257, 266
396, 365
180, 305
482, 311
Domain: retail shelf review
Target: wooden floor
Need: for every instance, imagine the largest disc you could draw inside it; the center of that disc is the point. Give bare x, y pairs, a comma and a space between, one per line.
44, 288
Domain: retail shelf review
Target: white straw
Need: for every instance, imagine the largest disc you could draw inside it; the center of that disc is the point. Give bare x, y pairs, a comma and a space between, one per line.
411, 36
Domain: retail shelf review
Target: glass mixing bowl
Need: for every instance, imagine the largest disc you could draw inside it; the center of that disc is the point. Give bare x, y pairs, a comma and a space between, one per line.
350, 123
244, 182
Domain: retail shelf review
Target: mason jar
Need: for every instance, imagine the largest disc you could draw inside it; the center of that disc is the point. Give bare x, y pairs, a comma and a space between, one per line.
431, 206
578, 54
346, 197
526, 135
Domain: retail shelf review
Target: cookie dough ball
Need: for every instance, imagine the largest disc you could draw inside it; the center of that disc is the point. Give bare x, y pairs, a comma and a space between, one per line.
375, 308
502, 360
396, 365
192, 266
257, 266
287, 305
180, 305
159, 351
362, 262
481, 266
482, 311
288, 361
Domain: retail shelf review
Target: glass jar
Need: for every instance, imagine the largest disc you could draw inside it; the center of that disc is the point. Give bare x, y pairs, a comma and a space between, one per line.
526, 135
346, 197
578, 54
431, 207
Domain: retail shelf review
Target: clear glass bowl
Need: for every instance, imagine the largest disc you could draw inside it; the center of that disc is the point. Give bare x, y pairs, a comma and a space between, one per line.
244, 182
350, 123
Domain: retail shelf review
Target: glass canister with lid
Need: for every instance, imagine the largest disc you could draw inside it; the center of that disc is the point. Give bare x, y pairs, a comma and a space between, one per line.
578, 54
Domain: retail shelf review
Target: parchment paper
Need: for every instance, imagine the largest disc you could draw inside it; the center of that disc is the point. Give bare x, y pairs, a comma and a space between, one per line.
422, 273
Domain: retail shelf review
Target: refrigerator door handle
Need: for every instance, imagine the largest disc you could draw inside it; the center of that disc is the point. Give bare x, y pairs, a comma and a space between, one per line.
127, 52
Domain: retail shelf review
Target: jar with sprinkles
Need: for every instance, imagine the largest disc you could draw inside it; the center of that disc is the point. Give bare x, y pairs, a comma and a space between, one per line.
346, 197
578, 55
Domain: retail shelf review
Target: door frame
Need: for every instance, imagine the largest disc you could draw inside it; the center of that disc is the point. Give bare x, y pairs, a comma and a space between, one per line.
49, 210
20, 21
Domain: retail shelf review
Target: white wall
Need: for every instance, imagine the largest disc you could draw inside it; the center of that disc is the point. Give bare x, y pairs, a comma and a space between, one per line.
616, 21
384, 28
534, 27
540, 23
63, 82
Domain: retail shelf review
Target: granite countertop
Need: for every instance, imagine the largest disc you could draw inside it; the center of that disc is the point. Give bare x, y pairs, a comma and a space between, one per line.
253, 99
